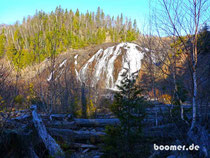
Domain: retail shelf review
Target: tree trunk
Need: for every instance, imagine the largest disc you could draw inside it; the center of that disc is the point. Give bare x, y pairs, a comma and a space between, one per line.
194, 61
84, 101
96, 122
53, 148
68, 134
194, 100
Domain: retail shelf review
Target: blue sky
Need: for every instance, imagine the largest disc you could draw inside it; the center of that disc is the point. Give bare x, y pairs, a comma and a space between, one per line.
13, 10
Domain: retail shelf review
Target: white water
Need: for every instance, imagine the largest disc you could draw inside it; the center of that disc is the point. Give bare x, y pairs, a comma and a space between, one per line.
105, 59
61, 70
75, 57
75, 63
63, 63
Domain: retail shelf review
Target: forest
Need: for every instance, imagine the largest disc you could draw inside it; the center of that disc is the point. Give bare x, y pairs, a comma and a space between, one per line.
91, 85
44, 35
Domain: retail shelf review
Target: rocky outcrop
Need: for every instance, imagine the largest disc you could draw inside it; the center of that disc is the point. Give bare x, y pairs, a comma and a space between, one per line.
107, 66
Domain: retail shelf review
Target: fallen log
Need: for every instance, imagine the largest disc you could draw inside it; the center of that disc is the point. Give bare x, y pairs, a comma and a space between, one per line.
22, 118
60, 117
61, 124
162, 127
12, 124
72, 135
167, 131
96, 122
51, 145
79, 145
163, 131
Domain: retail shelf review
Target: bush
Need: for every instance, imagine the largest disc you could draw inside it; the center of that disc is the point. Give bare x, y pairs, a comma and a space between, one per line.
19, 99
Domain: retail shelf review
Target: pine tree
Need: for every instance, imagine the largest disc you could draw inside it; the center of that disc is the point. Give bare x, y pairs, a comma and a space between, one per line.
60, 30
129, 107
11, 51
98, 17
204, 40
2, 43
130, 36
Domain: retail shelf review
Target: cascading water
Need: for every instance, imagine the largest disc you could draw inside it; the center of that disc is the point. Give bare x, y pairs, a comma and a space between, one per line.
103, 64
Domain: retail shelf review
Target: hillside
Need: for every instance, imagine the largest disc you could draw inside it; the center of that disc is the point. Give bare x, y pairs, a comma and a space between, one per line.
49, 34
105, 63
79, 84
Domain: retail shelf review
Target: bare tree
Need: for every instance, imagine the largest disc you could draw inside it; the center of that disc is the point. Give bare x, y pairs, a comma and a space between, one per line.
184, 18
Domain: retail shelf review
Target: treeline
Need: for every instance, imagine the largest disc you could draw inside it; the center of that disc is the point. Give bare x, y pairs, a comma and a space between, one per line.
44, 35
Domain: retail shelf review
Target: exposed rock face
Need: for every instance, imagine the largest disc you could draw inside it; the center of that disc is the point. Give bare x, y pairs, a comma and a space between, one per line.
101, 66
106, 67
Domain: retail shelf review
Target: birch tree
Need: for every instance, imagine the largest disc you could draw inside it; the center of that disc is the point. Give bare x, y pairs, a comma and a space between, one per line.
181, 19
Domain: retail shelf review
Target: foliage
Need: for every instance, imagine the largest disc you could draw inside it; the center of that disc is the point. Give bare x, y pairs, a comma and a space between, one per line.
204, 40
2, 43
91, 109
166, 98
131, 35
32, 98
128, 106
2, 102
44, 35
77, 108
19, 99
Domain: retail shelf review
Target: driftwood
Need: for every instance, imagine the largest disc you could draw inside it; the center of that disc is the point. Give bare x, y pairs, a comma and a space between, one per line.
96, 122
53, 148
68, 134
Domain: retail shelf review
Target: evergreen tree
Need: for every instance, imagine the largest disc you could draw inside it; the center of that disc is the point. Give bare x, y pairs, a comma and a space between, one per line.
130, 36
129, 107
204, 40
2, 43
11, 51
60, 30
